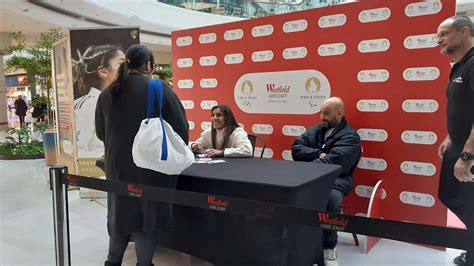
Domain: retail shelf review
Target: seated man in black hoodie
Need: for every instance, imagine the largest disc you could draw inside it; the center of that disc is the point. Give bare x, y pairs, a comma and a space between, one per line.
334, 142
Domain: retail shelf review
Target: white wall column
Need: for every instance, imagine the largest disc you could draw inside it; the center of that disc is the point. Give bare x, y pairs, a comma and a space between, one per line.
3, 95
5, 42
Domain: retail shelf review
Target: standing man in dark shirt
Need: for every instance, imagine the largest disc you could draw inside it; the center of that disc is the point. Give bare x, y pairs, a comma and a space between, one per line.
333, 141
456, 186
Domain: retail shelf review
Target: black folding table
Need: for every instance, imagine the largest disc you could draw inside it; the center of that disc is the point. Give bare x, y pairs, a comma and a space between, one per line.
225, 239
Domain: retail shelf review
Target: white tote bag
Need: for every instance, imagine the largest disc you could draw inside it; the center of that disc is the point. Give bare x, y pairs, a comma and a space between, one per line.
157, 146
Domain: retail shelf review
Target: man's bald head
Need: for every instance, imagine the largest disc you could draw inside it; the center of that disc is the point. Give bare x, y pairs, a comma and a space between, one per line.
335, 102
332, 112
454, 36
459, 22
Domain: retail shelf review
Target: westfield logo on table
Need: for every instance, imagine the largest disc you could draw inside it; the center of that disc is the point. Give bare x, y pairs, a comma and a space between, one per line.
134, 191
217, 204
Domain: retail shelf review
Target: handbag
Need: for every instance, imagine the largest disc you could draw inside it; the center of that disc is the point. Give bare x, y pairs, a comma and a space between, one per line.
156, 145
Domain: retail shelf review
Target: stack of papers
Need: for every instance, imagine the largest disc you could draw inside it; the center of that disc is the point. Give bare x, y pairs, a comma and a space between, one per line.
207, 160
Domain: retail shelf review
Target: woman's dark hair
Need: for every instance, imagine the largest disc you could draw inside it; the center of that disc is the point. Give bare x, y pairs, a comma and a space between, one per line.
136, 59
229, 123
85, 68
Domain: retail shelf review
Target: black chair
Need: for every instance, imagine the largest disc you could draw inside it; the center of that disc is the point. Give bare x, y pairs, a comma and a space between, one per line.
253, 140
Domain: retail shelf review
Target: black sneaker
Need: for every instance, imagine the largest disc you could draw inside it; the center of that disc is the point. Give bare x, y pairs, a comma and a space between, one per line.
461, 259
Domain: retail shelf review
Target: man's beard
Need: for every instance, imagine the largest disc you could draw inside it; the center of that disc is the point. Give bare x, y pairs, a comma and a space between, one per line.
329, 125
451, 49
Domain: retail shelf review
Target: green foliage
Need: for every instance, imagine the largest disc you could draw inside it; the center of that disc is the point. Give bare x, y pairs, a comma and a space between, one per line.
18, 135
35, 59
21, 142
39, 100
168, 74
168, 70
33, 148
40, 127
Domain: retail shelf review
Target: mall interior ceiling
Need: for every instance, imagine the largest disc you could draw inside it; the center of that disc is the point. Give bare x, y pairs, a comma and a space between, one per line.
156, 20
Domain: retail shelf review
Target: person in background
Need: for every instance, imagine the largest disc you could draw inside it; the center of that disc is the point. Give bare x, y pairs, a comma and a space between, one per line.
456, 186
332, 142
39, 108
94, 71
20, 109
225, 138
120, 111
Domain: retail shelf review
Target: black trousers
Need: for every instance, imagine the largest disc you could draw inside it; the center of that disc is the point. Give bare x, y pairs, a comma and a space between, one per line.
145, 244
22, 120
457, 196
334, 205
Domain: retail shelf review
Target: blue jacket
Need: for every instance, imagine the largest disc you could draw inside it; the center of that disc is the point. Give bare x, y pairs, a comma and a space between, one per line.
342, 147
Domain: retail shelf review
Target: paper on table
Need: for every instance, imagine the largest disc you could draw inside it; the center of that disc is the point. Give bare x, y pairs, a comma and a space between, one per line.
217, 161
202, 160
208, 160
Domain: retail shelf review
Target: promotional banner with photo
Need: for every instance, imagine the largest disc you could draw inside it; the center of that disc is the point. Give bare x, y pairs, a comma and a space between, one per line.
62, 82
380, 57
96, 55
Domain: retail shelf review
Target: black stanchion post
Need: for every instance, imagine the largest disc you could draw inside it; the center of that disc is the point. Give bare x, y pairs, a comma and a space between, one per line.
57, 177
470, 248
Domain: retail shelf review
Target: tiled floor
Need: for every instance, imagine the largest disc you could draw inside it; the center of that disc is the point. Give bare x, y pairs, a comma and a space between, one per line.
26, 229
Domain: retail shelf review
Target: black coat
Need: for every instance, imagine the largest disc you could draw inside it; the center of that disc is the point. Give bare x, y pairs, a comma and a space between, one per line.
20, 107
118, 119
342, 147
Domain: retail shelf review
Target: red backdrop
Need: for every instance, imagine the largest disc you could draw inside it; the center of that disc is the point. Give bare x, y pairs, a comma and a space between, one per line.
380, 57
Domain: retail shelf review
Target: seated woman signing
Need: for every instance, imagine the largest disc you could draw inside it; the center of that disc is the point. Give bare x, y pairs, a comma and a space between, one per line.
225, 138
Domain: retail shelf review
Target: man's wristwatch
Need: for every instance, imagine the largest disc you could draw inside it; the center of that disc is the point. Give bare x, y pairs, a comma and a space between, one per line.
466, 156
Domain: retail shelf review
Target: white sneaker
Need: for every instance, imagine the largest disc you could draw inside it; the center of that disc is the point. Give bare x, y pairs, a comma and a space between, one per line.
330, 257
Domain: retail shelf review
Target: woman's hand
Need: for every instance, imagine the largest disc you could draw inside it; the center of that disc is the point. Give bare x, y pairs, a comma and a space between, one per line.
211, 153
197, 148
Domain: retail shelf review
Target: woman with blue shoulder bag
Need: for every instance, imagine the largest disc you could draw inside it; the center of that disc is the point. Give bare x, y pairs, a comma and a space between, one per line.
120, 111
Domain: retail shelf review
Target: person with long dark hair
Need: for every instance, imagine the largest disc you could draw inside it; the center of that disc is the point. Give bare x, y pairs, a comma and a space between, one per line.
93, 71
120, 110
225, 138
